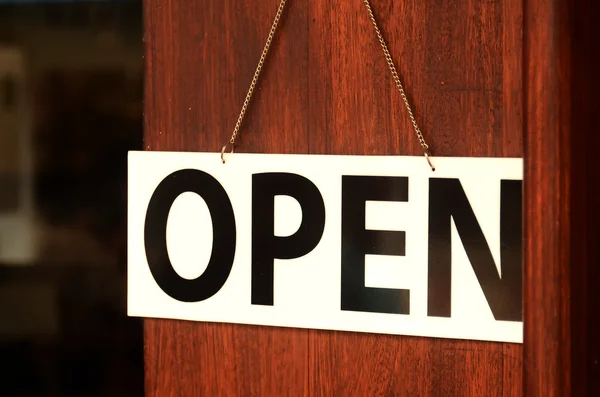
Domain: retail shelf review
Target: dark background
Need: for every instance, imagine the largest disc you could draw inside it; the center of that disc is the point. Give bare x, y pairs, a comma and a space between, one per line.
63, 324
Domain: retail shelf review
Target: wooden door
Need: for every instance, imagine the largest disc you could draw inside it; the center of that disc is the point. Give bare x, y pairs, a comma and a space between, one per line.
327, 90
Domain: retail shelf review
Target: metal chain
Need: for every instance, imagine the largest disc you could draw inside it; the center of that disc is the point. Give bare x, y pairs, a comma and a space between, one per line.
390, 62
261, 62
388, 59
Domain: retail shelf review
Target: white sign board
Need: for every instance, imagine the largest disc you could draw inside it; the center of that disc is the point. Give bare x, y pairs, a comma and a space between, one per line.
356, 243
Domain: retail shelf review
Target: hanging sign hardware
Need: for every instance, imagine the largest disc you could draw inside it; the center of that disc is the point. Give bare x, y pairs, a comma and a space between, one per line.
388, 59
223, 151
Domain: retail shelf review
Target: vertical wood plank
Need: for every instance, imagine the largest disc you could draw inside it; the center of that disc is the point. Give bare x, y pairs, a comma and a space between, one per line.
547, 201
200, 58
562, 353
369, 117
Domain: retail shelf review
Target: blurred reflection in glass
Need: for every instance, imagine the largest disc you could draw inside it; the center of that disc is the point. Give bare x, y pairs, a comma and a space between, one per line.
70, 109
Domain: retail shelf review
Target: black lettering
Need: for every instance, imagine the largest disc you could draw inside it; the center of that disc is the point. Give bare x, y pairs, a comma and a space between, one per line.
224, 235
503, 292
266, 247
357, 242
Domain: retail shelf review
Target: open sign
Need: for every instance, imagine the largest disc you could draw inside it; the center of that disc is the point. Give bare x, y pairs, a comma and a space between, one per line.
370, 243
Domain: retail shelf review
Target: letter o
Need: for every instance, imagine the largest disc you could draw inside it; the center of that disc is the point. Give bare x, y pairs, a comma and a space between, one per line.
224, 235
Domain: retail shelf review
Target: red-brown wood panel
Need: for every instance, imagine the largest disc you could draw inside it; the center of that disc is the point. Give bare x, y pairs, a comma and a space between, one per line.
327, 89
547, 202
562, 175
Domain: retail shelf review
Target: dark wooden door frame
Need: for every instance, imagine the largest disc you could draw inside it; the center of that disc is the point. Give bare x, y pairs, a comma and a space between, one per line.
561, 179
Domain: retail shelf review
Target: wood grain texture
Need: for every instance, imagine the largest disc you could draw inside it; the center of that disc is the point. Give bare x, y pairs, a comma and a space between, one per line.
546, 202
326, 89
562, 265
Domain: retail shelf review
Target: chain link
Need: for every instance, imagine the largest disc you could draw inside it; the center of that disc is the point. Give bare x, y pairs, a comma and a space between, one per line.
390, 62
396, 77
261, 62
388, 59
